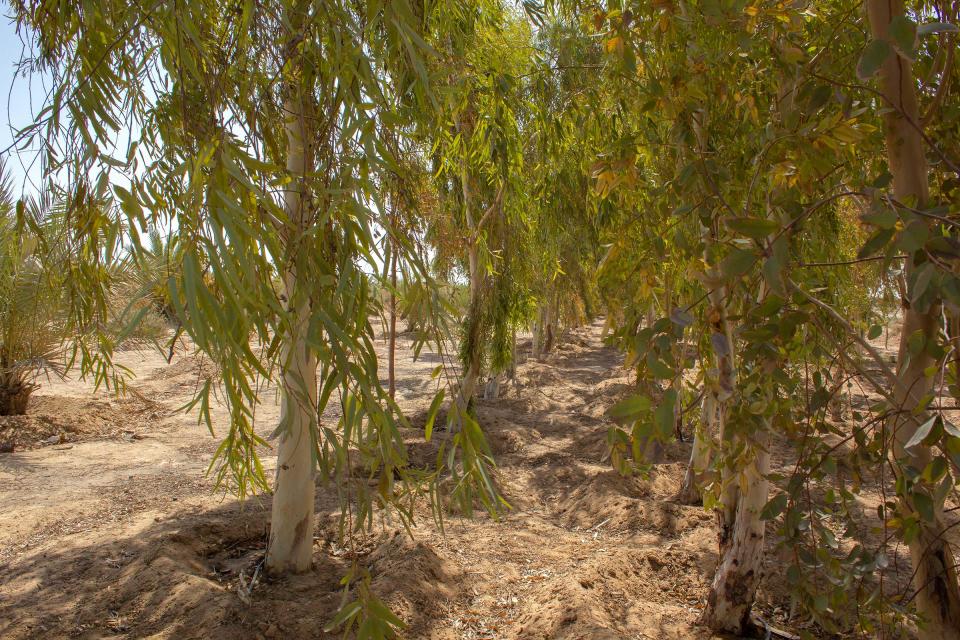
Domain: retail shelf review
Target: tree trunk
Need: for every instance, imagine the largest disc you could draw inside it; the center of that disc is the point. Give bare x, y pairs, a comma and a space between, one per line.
726, 510
735, 583
953, 333
539, 332
677, 385
721, 388
744, 493
291, 529
700, 453
536, 347
543, 336
473, 355
391, 359
472, 373
548, 329
935, 578
14, 395
588, 311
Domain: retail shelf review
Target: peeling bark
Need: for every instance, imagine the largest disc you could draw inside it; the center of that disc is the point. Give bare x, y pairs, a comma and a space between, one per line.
735, 583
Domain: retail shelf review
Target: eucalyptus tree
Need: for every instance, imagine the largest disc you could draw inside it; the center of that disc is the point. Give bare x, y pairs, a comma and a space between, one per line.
729, 93
479, 163
253, 134
750, 139
891, 51
566, 125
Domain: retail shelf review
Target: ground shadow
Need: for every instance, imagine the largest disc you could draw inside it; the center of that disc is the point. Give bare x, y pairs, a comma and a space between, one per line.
181, 578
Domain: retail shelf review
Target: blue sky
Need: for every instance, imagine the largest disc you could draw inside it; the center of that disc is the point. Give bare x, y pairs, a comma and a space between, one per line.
16, 109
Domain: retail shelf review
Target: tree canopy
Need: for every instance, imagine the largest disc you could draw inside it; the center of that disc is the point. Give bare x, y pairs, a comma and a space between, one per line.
749, 191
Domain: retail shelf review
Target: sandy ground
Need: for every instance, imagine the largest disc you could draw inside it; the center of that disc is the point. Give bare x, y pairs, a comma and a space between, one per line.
109, 527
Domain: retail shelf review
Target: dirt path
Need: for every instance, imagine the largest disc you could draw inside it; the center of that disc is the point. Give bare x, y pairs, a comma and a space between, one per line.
121, 534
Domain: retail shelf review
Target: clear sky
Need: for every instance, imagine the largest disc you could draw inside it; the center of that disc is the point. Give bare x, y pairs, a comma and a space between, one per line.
16, 109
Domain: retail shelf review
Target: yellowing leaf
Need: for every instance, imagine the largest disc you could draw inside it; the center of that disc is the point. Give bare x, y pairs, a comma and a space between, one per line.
615, 45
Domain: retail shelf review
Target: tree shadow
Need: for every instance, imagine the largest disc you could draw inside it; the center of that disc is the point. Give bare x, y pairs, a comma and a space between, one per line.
189, 576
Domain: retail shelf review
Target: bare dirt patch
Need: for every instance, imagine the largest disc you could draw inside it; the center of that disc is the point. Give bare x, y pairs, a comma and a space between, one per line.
128, 538
59, 420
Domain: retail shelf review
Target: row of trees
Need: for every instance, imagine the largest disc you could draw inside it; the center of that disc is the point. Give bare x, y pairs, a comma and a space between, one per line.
746, 189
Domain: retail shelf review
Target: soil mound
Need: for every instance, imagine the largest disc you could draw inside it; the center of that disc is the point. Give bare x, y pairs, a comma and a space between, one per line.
58, 420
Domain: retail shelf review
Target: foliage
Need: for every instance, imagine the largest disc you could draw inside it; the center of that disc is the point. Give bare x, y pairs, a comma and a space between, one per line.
712, 175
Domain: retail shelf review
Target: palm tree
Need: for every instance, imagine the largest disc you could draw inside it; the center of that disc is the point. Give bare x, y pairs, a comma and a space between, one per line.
151, 269
32, 304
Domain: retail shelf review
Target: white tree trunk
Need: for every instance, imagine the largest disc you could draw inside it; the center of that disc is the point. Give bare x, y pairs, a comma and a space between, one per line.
743, 495
935, 576
725, 374
471, 376
723, 343
700, 453
291, 529
735, 583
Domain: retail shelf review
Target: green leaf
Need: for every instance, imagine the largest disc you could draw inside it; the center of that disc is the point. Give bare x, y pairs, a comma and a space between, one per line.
921, 281
914, 236
924, 505
934, 471
882, 181
432, 415
951, 429
875, 243
773, 266
819, 97
774, 507
921, 433
872, 58
659, 369
663, 416
931, 28
884, 218
770, 306
875, 332
345, 614
630, 408
903, 32
737, 263
756, 228
820, 602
